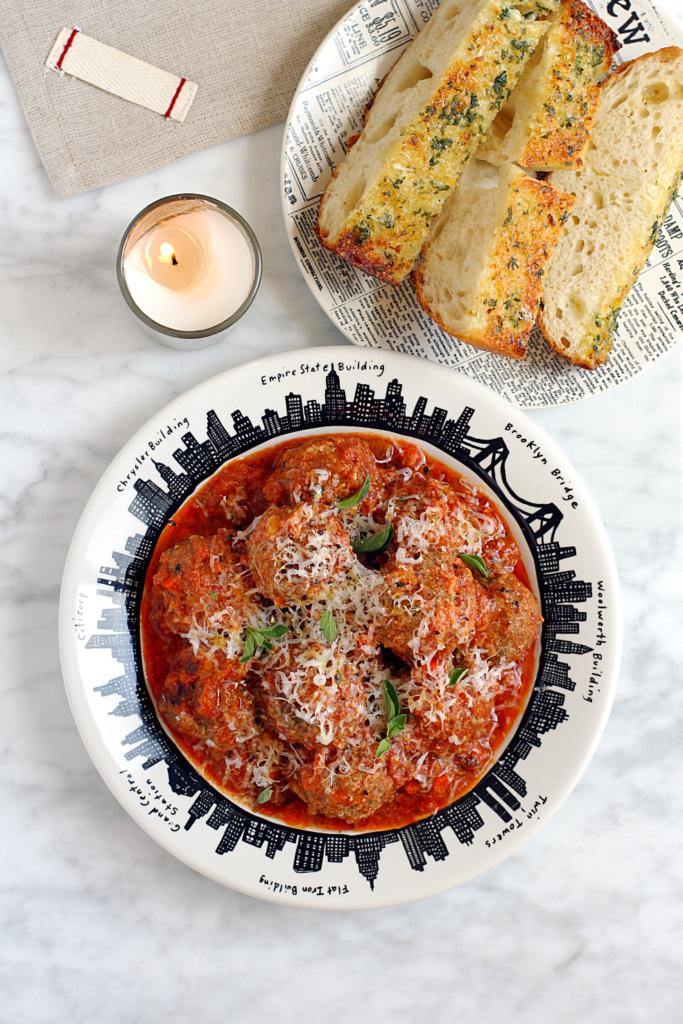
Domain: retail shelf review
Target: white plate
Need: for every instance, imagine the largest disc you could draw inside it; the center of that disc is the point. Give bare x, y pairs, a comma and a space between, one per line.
465, 425
327, 109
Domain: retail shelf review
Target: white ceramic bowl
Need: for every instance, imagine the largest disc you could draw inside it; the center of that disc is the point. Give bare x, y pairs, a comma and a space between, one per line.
466, 426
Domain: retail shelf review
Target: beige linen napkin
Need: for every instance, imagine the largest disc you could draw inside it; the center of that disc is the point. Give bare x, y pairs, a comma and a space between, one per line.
246, 56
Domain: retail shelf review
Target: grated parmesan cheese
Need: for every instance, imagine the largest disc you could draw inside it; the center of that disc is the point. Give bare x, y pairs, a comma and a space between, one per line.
308, 677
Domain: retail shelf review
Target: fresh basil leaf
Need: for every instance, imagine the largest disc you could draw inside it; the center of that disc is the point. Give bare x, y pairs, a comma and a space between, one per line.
260, 638
475, 562
391, 700
456, 675
395, 726
264, 796
274, 631
382, 748
328, 626
249, 647
376, 542
356, 498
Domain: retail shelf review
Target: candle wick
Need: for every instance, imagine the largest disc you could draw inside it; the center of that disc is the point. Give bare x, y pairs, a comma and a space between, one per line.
174, 261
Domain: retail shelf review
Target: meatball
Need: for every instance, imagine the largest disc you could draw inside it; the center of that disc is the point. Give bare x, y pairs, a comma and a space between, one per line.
459, 714
262, 762
420, 764
432, 522
429, 607
499, 548
314, 699
323, 469
201, 584
297, 554
405, 759
512, 620
202, 702
349, 783
497, 545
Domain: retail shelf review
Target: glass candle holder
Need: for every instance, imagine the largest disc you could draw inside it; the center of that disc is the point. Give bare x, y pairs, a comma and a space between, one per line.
188, 267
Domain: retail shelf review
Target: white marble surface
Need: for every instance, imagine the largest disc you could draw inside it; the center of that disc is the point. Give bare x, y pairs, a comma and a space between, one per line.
101, 926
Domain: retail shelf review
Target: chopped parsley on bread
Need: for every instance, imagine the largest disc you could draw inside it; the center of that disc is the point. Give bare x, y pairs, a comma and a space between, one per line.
484, 264
545, 123
631, 174
431, 113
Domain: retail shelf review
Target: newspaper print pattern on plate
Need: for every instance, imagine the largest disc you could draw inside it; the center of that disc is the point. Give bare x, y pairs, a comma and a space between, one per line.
328, 108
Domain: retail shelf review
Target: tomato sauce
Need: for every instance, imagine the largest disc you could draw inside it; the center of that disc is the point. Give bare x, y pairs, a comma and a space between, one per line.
232, 498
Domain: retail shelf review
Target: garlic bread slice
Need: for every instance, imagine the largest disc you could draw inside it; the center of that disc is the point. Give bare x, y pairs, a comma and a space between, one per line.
482, 273
429, 116
631, 174
545, 123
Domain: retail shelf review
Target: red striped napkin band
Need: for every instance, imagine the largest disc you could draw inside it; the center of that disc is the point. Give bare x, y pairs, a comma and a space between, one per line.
120, 74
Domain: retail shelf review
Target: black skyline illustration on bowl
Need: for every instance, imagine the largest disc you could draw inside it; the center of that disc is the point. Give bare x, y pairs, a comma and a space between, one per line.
502, 788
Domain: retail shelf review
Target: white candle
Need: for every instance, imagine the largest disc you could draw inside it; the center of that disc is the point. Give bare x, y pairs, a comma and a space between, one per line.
188, 271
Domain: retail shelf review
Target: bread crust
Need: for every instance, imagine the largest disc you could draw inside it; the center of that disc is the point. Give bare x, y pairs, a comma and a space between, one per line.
503, 307
666, 55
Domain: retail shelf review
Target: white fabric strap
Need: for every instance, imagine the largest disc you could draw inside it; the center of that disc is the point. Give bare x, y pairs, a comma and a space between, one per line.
113, 71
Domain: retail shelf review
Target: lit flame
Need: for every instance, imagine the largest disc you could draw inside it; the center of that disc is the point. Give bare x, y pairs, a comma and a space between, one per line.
167, 253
